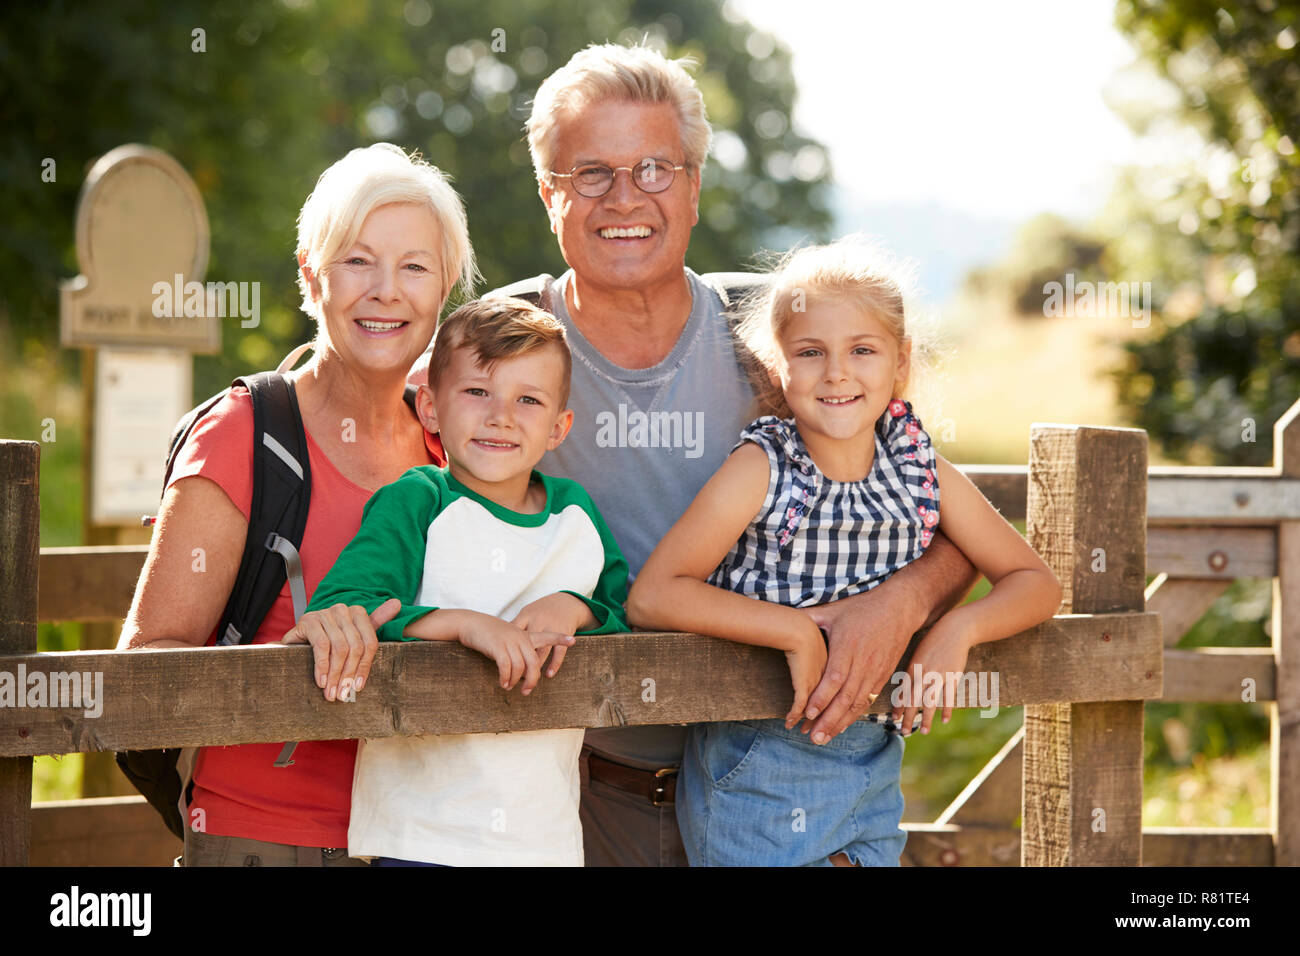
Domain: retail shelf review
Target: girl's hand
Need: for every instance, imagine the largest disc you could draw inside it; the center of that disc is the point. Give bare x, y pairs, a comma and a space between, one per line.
943, 651
807, 661
558, 613
515, 650
344, 642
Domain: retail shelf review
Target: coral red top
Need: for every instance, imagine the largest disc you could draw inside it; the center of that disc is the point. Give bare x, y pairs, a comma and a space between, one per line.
238, 790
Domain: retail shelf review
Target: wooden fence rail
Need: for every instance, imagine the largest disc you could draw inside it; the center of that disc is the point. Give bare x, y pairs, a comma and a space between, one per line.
1087, 674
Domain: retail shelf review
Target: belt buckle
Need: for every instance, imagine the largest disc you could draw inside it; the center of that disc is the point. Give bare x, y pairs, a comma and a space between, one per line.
658, 788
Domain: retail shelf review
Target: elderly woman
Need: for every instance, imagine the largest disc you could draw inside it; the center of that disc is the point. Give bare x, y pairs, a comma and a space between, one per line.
382, 241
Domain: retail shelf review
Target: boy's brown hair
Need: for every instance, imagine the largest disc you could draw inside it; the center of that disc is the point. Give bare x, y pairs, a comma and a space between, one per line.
498, 328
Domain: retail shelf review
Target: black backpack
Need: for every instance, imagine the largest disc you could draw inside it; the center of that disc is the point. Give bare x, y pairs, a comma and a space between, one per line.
277, 519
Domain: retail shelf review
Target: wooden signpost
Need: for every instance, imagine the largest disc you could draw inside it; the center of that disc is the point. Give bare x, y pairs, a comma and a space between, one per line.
140, 223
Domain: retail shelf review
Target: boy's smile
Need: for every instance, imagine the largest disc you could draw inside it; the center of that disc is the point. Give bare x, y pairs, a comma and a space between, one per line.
496, 425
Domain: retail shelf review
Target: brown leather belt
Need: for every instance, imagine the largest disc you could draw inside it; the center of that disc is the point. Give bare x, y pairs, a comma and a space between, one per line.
658, 786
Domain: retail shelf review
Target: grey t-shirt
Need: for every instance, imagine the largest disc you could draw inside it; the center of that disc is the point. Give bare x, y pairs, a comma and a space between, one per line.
643, 443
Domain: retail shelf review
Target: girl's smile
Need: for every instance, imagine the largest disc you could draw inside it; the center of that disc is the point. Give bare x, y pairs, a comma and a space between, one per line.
840, 368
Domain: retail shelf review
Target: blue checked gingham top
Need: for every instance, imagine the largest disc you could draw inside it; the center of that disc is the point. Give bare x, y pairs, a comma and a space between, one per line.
816, 540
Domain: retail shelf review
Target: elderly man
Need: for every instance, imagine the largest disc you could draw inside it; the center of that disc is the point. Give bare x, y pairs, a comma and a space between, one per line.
618, 139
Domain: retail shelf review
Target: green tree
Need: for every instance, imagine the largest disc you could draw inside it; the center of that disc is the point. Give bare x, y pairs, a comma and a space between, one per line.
1219, 235
283, 89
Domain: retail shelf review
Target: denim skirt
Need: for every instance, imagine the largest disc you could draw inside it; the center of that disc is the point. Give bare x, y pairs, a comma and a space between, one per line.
752, 793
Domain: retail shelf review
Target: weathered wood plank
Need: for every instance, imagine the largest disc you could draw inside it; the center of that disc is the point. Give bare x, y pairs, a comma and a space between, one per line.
89, 584
1219, 674
101, 831
265, 693
1181, 602
20, 531
1003, 485
1200, 551
1175, 495
993, 796
1209, 846
933, 844
1082, 793
947, 844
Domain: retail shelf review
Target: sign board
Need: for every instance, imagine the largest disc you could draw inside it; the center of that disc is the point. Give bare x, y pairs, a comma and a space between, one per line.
140, 222
139, 396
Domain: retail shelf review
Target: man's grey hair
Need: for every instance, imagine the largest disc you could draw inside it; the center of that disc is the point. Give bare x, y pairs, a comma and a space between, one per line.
635, 74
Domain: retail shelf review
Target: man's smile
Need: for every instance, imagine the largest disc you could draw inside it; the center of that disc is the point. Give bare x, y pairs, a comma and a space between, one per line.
625, 232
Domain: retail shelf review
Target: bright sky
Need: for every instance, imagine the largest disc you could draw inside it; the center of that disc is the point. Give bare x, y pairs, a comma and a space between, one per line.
993, 108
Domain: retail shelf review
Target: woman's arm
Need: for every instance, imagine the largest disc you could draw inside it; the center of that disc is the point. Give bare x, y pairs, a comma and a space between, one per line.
670, 593
193, 560
197, 545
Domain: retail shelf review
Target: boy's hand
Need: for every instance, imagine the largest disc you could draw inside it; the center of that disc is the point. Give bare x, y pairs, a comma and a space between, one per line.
518, 652
561, 613
943, 651
807, 661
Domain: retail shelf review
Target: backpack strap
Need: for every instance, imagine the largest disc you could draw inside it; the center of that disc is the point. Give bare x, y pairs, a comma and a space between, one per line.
530, 290
737, 289
281, 497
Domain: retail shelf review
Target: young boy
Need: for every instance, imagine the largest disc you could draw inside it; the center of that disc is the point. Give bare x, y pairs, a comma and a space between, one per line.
509, 562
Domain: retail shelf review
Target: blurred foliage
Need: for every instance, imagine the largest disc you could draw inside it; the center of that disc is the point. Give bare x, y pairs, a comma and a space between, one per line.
1215, 229
284, 89
1044, 250
1219, 234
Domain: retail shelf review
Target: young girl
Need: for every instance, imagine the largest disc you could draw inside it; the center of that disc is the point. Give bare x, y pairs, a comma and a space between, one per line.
810, 508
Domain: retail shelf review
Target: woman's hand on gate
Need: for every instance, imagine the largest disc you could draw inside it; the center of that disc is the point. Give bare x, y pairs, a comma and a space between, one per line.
343, 641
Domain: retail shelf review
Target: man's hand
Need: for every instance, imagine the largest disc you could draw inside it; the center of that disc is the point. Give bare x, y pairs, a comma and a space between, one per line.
559, 613
867, 634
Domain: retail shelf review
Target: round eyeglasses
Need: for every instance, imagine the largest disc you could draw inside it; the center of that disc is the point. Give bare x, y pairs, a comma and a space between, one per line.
595, 179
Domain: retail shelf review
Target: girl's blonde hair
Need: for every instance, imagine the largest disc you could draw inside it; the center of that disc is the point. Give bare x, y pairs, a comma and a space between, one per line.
851, 270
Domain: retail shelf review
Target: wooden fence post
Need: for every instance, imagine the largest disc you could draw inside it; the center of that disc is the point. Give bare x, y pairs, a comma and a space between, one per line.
1284, 744
1082, 792
20, 545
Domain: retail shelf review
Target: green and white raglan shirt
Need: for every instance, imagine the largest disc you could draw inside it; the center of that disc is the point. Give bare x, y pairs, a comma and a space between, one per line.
473, 799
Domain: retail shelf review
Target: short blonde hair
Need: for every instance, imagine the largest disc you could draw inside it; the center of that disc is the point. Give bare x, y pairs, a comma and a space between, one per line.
850, 270
498, 328
635, 74
366, 179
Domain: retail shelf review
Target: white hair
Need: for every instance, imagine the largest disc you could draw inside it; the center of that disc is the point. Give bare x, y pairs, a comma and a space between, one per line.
636, 74
366, 179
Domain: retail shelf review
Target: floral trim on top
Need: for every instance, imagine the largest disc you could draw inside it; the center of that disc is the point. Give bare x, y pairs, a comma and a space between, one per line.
815, 540
916, 448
